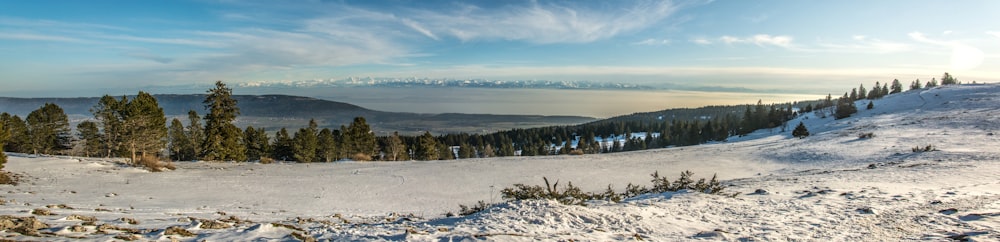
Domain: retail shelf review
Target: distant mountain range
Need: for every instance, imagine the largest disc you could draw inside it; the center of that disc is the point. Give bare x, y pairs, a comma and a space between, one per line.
428, 82
276, 111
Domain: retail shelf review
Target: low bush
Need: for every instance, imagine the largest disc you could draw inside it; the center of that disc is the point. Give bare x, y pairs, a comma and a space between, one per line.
927, 148
154, 164
361, 157
266, 160
466, 210
576, 152
868, 135
574, 196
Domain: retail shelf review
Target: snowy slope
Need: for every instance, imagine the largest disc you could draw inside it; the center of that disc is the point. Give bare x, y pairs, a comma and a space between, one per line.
829, 186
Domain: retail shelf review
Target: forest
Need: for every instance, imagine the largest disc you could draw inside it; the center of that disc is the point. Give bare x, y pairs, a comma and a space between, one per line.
137, 129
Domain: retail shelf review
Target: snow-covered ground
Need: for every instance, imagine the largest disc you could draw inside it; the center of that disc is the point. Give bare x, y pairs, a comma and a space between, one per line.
830, 186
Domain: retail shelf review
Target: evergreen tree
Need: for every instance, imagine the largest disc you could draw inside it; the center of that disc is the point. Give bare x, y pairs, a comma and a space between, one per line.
844, 108
110, 112
800, 131
932, 83
180, 144
876, 92
145, 126
896, 86
915, 85
223, 140
445, 152
947, 79
885, 90
465, 151
359, 140
4, 135
282, 149
862, 92
427, 148
48, 129
395, 148
871, 105
854, 94
17, 131
257, 142
326, 150
196, 133
305, 143
90, 135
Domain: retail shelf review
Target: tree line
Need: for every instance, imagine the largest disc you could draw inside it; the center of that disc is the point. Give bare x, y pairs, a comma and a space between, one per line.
136, 128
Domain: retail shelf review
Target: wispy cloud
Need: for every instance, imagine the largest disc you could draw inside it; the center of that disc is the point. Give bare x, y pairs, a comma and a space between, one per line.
652, 42
701, 41
783, 41
38, 37
543, 22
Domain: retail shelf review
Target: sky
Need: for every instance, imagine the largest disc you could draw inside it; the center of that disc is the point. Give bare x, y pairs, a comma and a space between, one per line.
49, 48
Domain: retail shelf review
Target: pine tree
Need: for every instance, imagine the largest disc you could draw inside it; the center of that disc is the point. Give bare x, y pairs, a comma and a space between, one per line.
932, 83
862, 92
845, 108
17, 131
48, 129
327, 149
359, 140
896, 86
947, 79
180, 144
110, 113
282, 149
4, 135
223, 140
196, 134
871, 105
145, 126
90, 135
427, 147
257, 142
800, 131
465, 151
915, 85
305, 143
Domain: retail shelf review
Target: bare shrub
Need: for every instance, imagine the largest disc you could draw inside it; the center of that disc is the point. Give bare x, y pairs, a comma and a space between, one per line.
7, 178
361, 157
576, 152
868, 135
266, 160
466, 210
154, 164
927, 148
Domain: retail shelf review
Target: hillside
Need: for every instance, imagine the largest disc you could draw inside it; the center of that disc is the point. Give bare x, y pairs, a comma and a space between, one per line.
276, 111
831, 186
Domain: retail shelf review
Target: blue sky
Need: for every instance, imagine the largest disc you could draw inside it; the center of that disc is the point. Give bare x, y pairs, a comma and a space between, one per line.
49, 47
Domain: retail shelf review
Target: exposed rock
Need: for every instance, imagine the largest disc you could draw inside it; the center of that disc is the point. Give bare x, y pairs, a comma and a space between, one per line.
759, 192
42, 212
129, 220
176, 230
82, 218
23, 225
212, 224
77, 229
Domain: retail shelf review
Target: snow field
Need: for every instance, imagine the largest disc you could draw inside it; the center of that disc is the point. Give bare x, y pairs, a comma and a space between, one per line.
832, 185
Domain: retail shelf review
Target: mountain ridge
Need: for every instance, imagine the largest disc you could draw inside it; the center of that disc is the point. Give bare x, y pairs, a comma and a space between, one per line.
275, 111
